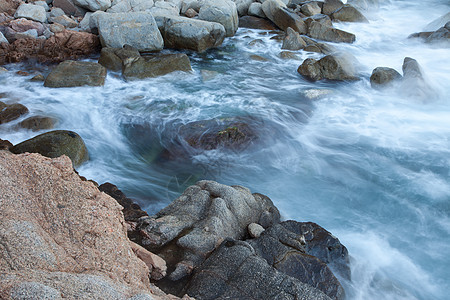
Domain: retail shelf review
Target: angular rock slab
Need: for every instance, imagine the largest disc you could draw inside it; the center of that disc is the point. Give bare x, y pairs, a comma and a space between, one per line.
323, 32
76, 73
348, 13
278, 13
384, 77
31, 12
330, 67
221, 11
137, 29
156, 65
54, 144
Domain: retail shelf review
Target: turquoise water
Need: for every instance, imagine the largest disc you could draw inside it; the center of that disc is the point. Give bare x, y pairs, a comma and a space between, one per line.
372, 167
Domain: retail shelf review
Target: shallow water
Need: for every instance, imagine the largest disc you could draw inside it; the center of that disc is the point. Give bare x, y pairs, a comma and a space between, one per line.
372, 167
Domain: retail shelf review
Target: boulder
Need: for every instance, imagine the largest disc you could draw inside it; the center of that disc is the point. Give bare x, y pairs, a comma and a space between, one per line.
330, 6
69, 7
293, 40
310, 9
76, 73
235, 271
29, 34
194, 224
94, 5
257, 23
137, 29
141, 5
348, 13
319, 31
22, 25
441, 37
54, 144
43, 4
187, 4
438, 23
115, 58
384, 77
279, 14
65, 21
3, 39
192, 34
31, 12
11, 112
330, 67
156, 65
221, 11
289, 55
414, 84
255, 9
243, 6
5, 144
38, 123
9, 6
165, 8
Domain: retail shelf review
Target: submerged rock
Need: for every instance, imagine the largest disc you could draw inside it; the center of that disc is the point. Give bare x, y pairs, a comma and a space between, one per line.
11, 112
441, 37
54, 144
413, 83
330, 67
383, 77
76, 73
38, 123
156, 65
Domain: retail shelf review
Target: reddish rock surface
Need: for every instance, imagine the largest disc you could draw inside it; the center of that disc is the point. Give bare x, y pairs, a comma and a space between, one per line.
9, 6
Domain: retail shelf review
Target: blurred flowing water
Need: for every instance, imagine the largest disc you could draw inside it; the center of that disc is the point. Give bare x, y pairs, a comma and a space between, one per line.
372, 167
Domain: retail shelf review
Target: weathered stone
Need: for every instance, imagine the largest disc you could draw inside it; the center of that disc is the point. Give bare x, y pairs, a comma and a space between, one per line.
56, 12
94, 5
293, 40
56, 28
65, 21
3, 39
255, 9
414, 84
156, 65
330, 6
31, 12
43, 4
187, 4
321, 18
438, 23
319, 31
5, 144
279, 14
348, 13
54, 144
165, 8
137, 29
21, 25
190, 13
69, 7
243, 6
29, 34
156, 265
12, 112
221, 11
38, 123
141, 5
289, 55
329, 67
109, 59
257, 23
120, 7
310, 9
255, 230
76, 73
383, 77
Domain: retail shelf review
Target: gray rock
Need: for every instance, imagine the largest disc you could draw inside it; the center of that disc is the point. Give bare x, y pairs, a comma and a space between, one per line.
34, 290
31, 12
69, 7
310, 9
329, 67
141, 5
29, 34
255, 9
221, 11
255, 230
384, 77
137, 29
330, 6
438, 23
293, 40
193, 34
156, 65
187, 4
279, 14
3, 39
65, 21
38, 123
43, 4
163, 7
76, 73
94, 5
414, 84
56, 12
54, 144
348, 13
235, 271
319, 31
243, 6
11, 112
85, 22
121, 7
199, 220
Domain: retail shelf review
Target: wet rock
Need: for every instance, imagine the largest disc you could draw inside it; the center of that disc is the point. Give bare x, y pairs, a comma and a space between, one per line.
438, 23
330, 67
38, 77
289, 55
193, 34
441, 37
319, 31
76, 73
31, 12
69, 7
310, 9
156, 65
208, 75
330, 6
115, 58
94, 5
54, 144
38, 123
348, 13
137, 29
258, 57
293, 40
255, 9
414, 84
131, 210
235, 271
255, 230
256, 23
384, 77
22, 25
279, 14
221, 11
11, 112
192, 226
5, 144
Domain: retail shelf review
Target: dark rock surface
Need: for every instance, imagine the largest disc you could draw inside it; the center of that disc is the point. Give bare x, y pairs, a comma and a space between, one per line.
11, 112
293, 40
156, 65
256, 23
283, 17
38, 122
323, 32
330, 67
76, 73
383, 77
348, 13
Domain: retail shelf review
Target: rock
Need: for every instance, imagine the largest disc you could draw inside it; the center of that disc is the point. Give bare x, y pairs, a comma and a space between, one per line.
22, 25
37, 123
438, 23
321, 18
330, 67
383, 77
279, 14
441, 35
62, 237
110, 60
319, 31
330, 6
141, 5
94, 5
121, 7
156, 65
54, 144
69, 7
65, 21
255, 9
131, 210
293, 40
258, 57
414, 84
165, 8
56, 12
11, 112
289, 55
5, 144
38, 77
9, 6
31, 12
235, 271
365, 5
255, 230
76, 73
208, 75
187, 4
190, 13
256, 23
43, 4
348, 13
221, 11
137, 29
310, 9
3, 71
3, 39
185, 33
29, 34
193, 225
56, 28
156, 265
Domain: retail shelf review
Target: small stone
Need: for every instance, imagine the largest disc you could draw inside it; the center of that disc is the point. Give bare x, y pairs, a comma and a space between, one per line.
382, 77
255, 230
56, 28
38, 77
190, 13
289, 55
22, 73
258, 57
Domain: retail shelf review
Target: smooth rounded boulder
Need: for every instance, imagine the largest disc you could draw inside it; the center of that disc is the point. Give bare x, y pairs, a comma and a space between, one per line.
221, 11
76, 73
330, 67
383, 77
348, 13
11, 112
54, 144
278, 13
31, 12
